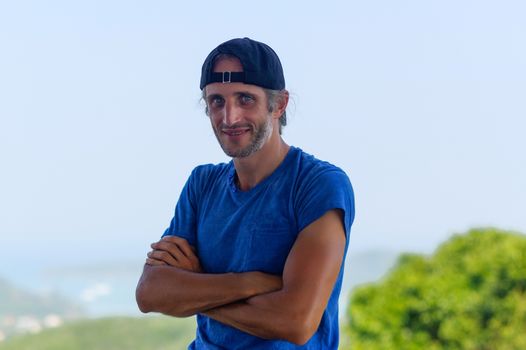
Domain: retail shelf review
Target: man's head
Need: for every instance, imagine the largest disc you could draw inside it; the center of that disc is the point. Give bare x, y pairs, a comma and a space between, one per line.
258, 65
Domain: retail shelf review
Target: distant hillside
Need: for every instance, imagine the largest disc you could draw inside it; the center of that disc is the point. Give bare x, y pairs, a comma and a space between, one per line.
24, 312
116, 333
17, 302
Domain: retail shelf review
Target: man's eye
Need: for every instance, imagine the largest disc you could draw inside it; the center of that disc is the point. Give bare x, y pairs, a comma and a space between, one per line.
216, 101
246, 99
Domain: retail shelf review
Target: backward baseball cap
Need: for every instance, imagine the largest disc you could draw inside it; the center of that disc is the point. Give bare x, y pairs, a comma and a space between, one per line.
261, 65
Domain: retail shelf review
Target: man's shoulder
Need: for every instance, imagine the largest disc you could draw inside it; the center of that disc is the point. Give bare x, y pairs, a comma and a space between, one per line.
207, 176
310, 166
209, 170
321, 186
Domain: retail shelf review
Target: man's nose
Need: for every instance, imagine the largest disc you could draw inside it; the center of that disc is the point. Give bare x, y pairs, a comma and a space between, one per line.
232, 114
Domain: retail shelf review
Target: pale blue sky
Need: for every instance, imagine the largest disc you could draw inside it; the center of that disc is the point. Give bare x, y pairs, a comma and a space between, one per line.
421, 102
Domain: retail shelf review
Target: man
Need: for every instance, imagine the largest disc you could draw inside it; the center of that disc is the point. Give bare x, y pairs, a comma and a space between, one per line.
256, 246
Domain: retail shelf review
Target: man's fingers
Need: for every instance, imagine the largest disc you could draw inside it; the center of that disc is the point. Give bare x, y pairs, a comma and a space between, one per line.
178, 247
171, 248
154, 262
182, 243
163, 256
171, 255
182, 252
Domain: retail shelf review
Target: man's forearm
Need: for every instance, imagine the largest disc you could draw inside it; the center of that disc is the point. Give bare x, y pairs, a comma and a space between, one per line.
276, 315
176, 292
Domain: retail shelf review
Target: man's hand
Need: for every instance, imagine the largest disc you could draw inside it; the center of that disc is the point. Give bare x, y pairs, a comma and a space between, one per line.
173, 283
174, 251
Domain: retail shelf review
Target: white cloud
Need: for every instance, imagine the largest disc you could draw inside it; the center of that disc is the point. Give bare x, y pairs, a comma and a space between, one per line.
95, 291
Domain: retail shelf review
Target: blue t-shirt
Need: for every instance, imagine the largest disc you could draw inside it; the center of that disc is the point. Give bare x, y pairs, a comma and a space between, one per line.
239, 231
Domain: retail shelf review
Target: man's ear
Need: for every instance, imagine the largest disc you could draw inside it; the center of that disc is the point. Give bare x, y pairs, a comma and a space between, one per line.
282, 102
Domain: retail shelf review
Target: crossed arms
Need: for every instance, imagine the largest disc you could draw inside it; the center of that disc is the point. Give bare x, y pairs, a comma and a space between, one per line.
288, 307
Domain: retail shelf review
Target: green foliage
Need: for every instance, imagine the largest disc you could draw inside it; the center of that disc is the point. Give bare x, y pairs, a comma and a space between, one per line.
470, 294
116, 333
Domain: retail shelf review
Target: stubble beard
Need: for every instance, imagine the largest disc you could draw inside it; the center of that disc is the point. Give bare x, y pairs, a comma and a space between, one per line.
260, 136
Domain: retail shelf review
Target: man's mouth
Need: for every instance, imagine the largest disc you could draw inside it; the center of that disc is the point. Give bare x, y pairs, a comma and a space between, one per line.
235, 131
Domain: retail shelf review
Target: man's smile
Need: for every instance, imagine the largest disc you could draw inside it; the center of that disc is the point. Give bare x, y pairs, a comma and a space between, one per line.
235, 131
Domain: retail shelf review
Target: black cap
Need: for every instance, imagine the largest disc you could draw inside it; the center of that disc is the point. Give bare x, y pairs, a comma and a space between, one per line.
261, 65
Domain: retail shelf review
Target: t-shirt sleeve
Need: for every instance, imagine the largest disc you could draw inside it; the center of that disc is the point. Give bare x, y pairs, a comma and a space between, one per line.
319, 193
184, 221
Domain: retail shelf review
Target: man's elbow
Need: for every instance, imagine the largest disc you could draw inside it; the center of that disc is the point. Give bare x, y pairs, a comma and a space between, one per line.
150, 298
146, 291
301, 335
301, 329
142, 297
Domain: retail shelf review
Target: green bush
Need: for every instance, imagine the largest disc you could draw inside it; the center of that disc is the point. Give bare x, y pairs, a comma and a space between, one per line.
470, 294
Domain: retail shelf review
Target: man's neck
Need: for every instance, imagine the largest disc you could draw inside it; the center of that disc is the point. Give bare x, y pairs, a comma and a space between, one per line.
257, 167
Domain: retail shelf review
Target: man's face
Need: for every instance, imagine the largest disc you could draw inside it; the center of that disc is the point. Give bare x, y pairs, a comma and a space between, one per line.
238, 113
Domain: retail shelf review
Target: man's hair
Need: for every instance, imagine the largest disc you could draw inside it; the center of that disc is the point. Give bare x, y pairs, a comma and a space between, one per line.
273, 96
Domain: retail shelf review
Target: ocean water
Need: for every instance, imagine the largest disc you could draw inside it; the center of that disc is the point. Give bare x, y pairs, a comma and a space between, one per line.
95, 275
99, 290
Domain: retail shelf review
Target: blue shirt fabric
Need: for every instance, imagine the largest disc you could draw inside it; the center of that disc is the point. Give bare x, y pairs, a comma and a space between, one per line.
239, 231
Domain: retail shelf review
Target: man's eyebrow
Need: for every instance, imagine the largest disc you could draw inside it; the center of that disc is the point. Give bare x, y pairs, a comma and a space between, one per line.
244, 92
208, 97
237, 93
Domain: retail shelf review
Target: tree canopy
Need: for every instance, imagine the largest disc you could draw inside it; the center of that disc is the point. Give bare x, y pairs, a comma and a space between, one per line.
470, 294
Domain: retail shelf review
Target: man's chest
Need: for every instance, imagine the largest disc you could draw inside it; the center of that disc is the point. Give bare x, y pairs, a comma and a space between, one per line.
254, 235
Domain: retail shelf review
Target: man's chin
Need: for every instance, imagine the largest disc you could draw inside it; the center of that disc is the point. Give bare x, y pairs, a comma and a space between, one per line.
239, 152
